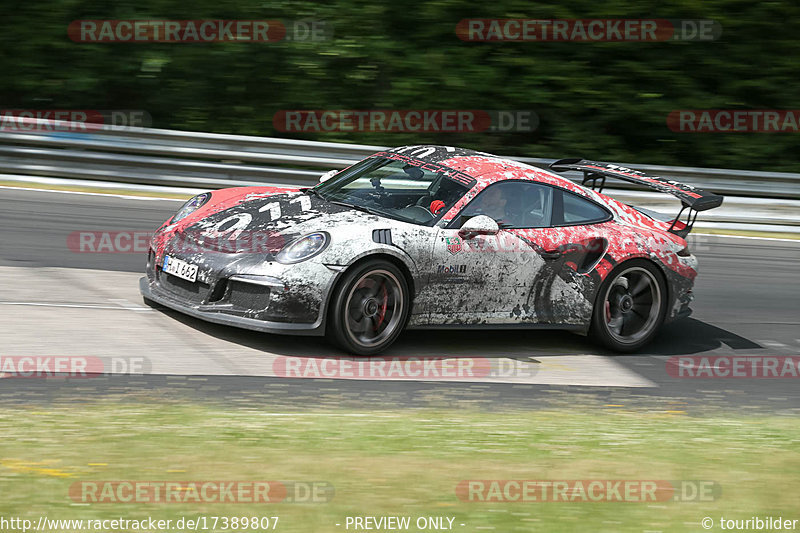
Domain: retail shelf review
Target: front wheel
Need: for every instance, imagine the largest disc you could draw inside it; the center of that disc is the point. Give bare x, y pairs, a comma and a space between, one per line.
369, 308
630, 306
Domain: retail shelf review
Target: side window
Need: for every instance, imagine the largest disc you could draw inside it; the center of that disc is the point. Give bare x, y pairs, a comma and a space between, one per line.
577, 211
513, 204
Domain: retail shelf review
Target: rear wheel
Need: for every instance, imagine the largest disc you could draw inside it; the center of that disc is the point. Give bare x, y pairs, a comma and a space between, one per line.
369, 308
630, 306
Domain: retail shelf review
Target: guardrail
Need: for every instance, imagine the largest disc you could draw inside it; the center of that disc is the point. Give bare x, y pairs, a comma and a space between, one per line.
168, 157
207, 160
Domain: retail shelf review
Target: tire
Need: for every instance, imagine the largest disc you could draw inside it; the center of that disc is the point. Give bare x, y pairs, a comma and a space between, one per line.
630, 306
369, 308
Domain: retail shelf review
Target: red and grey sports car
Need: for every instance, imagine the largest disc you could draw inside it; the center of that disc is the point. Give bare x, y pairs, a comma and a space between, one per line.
431, 237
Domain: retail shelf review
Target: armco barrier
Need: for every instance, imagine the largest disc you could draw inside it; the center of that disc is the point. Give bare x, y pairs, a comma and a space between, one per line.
209, 160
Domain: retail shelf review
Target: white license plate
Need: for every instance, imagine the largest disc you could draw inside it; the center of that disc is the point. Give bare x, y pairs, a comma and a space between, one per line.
179, 268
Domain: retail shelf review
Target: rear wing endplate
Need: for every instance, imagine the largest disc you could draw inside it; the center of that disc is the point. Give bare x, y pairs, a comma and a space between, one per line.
692, 199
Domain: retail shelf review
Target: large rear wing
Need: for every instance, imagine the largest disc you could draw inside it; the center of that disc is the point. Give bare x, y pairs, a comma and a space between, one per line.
692, 198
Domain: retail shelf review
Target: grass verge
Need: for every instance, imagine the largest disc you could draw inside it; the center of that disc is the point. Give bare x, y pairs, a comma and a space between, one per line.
398, 463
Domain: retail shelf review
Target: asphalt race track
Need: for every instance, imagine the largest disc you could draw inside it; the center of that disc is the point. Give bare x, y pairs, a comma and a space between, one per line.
57, 302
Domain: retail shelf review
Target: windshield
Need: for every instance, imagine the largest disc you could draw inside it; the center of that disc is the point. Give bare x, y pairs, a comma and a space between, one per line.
395, 189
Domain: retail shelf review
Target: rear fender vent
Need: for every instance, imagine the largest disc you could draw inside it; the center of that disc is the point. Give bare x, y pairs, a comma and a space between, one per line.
593, 252
382, 236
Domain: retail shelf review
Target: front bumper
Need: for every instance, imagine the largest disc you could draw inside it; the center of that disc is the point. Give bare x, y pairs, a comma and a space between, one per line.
252, 295
228, 320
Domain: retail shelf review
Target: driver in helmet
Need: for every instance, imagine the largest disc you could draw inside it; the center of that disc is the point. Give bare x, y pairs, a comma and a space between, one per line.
496, 203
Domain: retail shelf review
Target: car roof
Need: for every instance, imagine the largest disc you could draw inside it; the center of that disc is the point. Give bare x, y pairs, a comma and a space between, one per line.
484, 167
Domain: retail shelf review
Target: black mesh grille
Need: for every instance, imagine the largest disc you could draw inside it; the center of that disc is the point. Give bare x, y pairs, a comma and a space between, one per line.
185, 290
248, 296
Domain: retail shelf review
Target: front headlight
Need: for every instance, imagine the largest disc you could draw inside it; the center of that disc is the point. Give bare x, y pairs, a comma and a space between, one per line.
303, 248
191, 206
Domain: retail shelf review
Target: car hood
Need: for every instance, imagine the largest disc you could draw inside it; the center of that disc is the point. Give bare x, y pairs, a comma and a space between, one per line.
265, 223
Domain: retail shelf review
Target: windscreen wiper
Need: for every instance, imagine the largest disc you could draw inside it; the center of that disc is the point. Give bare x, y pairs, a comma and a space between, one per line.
312, 190
359, 208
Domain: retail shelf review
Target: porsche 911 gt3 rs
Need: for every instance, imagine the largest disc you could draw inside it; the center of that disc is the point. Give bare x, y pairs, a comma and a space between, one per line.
431, 237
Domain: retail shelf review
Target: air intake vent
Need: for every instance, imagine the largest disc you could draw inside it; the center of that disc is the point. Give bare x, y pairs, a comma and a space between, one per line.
593, 252
382, 236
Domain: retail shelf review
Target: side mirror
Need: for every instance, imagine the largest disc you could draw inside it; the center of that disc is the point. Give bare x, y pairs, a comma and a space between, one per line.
478, 225
328, 175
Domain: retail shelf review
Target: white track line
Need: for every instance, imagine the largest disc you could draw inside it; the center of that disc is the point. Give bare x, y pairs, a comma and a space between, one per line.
124, 196
745, 237
97, 184
127, 305
79, 306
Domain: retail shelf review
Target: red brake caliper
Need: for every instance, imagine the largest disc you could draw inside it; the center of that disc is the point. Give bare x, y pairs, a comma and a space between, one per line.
384, 305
